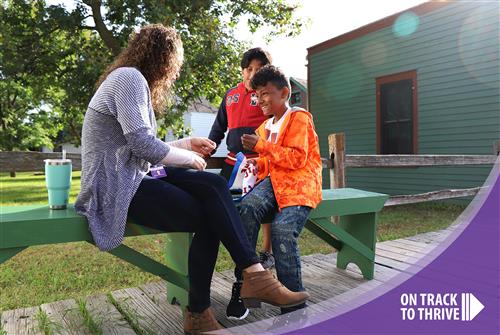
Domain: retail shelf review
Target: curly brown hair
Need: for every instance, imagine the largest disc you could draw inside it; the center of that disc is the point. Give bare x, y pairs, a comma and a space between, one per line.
156, 51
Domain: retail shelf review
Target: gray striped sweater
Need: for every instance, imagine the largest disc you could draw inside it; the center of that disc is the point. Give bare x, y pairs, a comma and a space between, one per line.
118, 144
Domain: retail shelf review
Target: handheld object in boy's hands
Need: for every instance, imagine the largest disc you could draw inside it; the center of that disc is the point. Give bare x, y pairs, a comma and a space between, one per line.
244, 174
249, 141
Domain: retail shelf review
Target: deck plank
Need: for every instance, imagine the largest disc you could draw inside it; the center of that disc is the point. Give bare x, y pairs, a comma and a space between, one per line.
431, 237
417, 247
65, 317
146, 314
21, 321
107, 317
382, 273
399, 253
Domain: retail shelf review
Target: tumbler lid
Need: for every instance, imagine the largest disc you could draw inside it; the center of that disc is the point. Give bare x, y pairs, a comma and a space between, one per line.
57, 161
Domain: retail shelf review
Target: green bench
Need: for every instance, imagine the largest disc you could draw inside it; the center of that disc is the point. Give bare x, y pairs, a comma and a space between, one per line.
354, 236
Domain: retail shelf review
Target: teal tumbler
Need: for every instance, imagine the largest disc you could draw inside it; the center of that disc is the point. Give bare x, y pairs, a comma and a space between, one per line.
58, 180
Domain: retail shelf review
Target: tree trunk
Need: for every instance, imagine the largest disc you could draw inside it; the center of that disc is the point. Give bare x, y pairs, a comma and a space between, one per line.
106, 35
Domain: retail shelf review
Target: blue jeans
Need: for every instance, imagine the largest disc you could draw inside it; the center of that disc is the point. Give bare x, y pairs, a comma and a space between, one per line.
285, 230
199, 202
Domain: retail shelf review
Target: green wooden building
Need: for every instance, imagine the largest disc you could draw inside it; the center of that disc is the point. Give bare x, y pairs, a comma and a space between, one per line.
423, 81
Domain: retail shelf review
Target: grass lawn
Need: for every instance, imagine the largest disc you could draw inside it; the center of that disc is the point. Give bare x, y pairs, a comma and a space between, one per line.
61, 271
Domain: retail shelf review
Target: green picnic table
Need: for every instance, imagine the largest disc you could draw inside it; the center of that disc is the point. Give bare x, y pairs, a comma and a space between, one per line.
354, 236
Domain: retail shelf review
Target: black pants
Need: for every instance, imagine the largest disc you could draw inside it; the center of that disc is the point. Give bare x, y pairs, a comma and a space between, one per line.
199, 202
226, 170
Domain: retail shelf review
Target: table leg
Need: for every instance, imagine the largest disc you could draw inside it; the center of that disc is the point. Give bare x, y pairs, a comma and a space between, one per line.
363, 227
176, 253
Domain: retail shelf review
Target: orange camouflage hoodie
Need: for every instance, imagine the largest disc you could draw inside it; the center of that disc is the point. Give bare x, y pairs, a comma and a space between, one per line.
293, 163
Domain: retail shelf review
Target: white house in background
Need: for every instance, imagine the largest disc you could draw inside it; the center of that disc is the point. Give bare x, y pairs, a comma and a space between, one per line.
200, 117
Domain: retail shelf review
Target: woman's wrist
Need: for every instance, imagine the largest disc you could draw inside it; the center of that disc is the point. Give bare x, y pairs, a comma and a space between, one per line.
183, 143
178, 157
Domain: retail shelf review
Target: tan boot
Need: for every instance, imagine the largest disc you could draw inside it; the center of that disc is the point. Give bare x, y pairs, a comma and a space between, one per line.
262, 286
198, 323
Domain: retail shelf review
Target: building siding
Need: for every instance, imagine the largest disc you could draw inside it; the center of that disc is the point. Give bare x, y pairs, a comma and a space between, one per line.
455, 52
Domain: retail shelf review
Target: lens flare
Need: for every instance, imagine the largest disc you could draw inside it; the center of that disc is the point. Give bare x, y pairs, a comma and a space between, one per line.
406, 24
478, 46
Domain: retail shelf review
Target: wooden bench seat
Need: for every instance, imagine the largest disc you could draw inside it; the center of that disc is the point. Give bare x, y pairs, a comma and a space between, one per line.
354, 236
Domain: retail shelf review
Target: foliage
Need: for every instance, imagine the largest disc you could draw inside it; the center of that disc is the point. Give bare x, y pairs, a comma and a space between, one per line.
51, 57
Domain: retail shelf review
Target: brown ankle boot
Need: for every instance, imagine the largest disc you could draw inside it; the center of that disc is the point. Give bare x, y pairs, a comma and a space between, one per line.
198, 323
262, 286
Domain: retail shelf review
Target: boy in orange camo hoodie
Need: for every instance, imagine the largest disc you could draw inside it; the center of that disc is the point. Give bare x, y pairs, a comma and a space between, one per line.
289, 174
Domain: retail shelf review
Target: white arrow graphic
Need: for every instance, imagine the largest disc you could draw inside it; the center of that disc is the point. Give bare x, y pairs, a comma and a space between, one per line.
471, 306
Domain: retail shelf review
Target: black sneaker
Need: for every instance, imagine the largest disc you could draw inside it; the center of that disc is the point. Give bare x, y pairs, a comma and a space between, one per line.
236, 310
266, 259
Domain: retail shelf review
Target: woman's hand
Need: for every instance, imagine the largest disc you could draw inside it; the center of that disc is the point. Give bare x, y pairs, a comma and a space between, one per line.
198, 163
202, 145
249, 141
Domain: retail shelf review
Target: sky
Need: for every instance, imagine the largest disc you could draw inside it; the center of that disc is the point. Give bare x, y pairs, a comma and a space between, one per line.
328, 19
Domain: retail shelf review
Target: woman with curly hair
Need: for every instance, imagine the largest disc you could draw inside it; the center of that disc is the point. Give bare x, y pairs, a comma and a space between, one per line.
119, 145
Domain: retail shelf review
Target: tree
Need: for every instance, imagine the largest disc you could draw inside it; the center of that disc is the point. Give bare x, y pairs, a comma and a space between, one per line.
54, 56
46, 78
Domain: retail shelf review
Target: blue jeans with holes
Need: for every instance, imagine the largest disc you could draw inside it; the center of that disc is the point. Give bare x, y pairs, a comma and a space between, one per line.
285, 230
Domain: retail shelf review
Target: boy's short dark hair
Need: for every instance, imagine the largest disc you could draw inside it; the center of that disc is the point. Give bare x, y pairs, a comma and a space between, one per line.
269, 73
256, 53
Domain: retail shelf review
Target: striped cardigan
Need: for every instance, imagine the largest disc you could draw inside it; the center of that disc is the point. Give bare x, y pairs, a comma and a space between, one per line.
118, 144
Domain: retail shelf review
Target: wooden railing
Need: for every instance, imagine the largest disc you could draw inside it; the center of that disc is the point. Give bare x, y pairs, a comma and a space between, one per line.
341, 161
337, 163
27, 161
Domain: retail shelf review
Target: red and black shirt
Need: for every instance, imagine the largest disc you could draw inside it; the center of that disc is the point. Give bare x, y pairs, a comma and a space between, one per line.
240, 114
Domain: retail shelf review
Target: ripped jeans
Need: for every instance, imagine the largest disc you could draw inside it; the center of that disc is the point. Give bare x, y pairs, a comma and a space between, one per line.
285, 230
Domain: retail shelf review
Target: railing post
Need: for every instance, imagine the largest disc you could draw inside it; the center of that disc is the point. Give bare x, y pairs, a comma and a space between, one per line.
336, 151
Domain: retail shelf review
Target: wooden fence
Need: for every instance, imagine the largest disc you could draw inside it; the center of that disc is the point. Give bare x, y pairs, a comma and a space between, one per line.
338, 161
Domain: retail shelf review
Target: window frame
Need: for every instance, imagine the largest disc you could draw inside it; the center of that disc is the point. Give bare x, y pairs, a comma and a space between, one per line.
300, 98
407, 75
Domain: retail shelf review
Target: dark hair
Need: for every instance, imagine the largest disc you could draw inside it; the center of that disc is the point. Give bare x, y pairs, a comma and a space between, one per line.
269, 73
256, 53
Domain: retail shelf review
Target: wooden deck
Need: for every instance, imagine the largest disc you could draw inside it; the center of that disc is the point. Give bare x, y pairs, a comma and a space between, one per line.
145, 310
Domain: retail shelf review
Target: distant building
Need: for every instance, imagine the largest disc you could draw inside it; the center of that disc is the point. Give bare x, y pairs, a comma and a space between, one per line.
298, 96
200, 117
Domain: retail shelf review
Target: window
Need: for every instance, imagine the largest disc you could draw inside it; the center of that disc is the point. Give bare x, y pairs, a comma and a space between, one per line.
397, 113
295, 99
